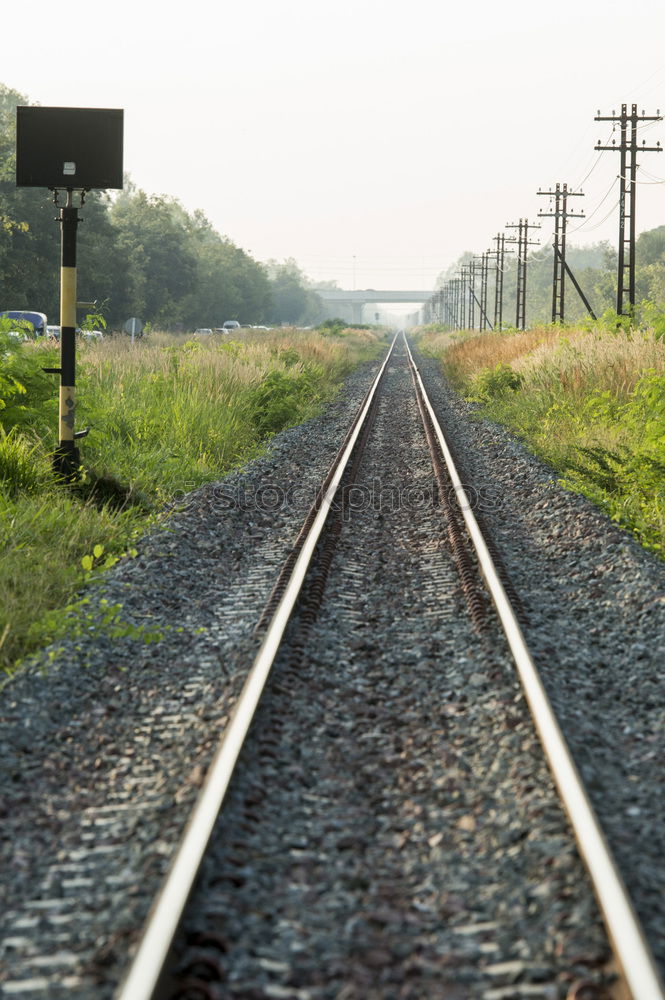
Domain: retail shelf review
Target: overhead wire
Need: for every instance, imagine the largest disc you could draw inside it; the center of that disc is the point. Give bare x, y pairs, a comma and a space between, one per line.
594, 165
588, 218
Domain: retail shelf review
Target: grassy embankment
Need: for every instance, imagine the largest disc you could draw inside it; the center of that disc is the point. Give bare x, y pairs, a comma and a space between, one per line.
589, 401
166, 415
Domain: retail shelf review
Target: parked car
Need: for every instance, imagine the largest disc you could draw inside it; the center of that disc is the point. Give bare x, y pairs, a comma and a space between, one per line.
37, 320
232, 324
91, 335
203, 331
53, 332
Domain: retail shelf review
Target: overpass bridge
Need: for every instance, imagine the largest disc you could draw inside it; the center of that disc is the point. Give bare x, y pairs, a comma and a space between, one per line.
349, 305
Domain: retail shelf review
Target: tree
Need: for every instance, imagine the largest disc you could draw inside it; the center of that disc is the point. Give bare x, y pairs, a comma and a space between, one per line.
153, 237
292, 301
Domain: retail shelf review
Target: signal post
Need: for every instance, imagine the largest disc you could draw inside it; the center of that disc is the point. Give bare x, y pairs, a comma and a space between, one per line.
69, 151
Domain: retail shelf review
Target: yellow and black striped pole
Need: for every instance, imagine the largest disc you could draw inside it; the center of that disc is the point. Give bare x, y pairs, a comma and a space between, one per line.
67, 456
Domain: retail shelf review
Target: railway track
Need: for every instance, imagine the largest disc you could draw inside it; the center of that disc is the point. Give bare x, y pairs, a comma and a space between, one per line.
389, 826
273, 857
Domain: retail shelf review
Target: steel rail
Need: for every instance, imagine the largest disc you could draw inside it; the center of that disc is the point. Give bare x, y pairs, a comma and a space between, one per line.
630, 946
162, 922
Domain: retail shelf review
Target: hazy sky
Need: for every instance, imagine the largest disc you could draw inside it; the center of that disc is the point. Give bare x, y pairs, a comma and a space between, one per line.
374, 142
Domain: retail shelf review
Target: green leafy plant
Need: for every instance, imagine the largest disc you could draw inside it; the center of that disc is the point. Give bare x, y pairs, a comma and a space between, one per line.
493, 382
282, 398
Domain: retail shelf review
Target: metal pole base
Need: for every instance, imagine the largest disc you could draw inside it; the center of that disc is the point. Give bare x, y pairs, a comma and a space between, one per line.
67, 461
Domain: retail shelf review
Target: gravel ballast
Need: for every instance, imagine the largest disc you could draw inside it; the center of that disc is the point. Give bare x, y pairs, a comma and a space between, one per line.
595, 602
104, 744
408, 842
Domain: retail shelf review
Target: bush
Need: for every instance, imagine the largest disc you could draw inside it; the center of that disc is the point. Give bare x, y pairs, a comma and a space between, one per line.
494, 382
282, 398
28, 396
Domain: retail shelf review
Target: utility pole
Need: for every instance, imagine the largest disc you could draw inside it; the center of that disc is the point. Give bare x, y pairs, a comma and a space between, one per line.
523, 244
483, 291
560, 215
472, 294
464, 280
500, 240
481, 302
449, 305
628, 149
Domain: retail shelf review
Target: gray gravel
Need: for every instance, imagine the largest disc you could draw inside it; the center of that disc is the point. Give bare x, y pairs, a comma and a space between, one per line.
103, 747
596, 623
104, 741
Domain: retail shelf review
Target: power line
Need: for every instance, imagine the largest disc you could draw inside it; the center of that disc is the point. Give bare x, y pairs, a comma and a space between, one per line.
588, 218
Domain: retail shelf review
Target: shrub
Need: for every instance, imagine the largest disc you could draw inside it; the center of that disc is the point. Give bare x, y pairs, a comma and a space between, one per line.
493, 382
28, 396
282, 398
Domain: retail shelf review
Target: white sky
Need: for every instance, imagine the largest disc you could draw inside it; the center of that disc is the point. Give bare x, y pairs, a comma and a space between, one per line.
372, 141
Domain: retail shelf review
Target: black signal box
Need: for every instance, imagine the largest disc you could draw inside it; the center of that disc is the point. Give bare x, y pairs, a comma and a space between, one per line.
78, 148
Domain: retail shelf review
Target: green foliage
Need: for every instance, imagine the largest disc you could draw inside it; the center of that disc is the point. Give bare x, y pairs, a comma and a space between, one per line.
493, 382
590, 406
653, 317
609, 322
335, 325
84, 620
289, 357
163, 419
94, 321
23, 465
283, 398
293, 302
27, 394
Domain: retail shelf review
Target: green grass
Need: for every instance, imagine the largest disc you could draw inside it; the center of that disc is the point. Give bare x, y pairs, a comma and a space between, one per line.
589, 401
165, 416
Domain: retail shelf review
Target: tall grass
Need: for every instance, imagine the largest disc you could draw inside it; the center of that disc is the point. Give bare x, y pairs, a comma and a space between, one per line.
165, 415
590, 401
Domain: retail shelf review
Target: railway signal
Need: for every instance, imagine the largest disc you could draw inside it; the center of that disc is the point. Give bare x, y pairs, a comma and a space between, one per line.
628, 150
70, 151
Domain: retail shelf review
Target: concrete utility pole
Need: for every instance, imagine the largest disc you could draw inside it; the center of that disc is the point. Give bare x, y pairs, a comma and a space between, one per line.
628, 149
483, 290
523, 244
472, 295
464, 278
481, 302
500, 240
560, 215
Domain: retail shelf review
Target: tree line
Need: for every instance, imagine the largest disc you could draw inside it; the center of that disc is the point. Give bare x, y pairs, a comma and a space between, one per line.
138, 255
